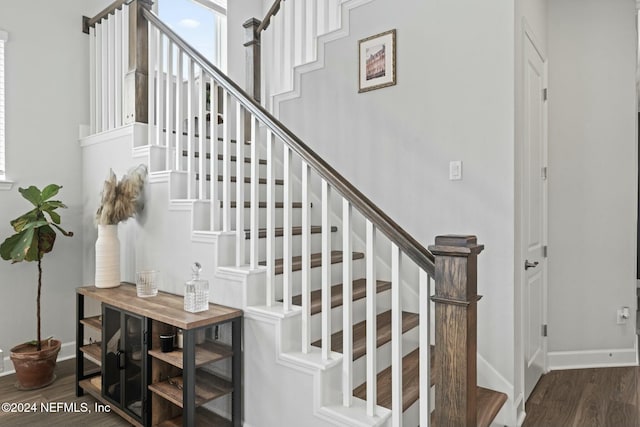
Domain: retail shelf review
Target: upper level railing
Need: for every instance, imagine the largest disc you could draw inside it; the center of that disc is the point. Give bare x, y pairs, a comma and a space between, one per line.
197, 118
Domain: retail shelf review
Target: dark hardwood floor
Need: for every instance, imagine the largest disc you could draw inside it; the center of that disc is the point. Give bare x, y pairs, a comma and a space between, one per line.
61, 391
607, 397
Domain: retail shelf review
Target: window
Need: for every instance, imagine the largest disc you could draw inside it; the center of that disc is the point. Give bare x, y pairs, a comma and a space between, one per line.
202, 23
4, 36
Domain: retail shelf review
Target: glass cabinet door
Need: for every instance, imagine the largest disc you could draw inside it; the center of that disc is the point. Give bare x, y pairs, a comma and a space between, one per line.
123, 381
111, 342
133, 372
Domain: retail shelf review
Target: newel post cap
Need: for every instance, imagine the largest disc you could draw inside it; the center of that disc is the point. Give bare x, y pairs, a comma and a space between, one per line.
456, 245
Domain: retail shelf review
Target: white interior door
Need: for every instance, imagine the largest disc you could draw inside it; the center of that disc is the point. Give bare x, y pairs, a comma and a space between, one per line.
534, 215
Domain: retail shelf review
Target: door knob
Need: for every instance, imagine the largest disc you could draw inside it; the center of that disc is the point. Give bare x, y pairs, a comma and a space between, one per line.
528, 264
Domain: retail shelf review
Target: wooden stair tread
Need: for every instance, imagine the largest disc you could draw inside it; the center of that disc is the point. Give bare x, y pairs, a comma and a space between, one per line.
197, 135
383, 326
295, 231
221, 157
316, 261
247, 179
410, 382
263, 205
489, 404
359, 291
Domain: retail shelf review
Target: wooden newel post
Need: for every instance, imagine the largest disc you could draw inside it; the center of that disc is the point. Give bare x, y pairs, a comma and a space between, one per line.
137, 79
456, 259
252, 55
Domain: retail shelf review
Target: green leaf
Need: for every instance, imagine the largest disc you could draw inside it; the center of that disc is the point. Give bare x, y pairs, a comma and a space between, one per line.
32, 194
54, 216
53, 204
49, 191
16, 247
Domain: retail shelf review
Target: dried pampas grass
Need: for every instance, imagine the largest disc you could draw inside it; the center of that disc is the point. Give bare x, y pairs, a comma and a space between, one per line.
122, 200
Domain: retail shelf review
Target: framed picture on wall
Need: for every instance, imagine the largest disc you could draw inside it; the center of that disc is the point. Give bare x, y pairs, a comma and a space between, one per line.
377, 57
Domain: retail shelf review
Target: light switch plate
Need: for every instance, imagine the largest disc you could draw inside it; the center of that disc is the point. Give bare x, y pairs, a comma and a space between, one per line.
455, 170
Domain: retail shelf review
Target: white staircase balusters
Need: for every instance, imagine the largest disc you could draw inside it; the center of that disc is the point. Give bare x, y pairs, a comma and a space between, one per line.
160, 87
170, 105
93, 76
287, 221
179, 109
299, 21
101, 81
202, 134
347, 305
371, 319
191, 112
119, 49
255, 195
240, 139
396, 338
271, 224
326, 270
108, 50
109, 25
306, 258
425, 347
226, 162
214, 195
288, 13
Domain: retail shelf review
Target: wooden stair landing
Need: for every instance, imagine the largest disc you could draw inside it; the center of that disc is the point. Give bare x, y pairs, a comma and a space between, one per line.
383, 324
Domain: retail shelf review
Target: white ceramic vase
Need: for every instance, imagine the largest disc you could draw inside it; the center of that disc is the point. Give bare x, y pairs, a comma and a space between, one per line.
107, 257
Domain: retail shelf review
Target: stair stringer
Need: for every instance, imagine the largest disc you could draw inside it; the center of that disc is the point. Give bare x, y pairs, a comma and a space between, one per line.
318, 63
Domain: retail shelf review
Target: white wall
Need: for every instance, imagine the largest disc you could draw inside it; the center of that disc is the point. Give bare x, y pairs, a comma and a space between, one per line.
46, 100
453, 101
592, 177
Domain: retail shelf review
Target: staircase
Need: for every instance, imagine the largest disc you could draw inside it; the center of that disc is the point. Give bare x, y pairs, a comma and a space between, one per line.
346, 293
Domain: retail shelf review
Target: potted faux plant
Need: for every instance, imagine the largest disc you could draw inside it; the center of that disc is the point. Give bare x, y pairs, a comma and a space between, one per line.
35, 235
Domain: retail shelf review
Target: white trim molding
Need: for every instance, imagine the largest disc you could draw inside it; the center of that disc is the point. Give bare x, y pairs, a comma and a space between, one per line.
583, 359
4, 183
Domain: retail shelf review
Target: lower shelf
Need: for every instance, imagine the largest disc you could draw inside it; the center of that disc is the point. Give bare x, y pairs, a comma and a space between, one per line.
90, 387
208, 387
204, 418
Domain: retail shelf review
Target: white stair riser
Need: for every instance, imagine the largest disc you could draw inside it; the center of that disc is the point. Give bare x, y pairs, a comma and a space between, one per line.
410, 341
262, 191
316, 277
262, 168
202, 209
296, 241
359, 313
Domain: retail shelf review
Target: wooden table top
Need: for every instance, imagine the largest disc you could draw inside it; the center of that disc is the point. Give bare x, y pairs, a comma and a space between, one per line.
164, 307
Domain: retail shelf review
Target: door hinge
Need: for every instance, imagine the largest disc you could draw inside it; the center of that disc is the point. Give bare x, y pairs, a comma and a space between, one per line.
544, 173
545, 249
544, 330
545, 94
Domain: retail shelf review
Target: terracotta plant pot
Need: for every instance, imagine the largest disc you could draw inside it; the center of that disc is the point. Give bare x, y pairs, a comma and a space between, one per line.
34, 369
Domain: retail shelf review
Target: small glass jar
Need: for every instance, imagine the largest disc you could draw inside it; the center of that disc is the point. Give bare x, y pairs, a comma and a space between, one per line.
196, 291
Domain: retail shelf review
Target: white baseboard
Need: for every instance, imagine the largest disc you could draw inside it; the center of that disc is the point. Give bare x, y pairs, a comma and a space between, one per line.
67, 351
559, 360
